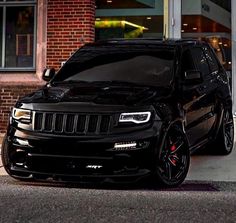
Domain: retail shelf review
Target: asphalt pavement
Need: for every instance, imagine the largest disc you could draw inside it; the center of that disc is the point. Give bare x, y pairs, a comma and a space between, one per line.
207, 195
192, 202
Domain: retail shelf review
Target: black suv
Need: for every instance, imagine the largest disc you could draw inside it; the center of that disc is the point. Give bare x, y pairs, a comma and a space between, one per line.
122, 110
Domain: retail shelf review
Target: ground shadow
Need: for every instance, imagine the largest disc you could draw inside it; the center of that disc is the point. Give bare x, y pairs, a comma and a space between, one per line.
141, 186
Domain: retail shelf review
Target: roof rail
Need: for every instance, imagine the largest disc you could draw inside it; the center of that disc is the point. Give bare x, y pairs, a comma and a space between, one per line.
146, 41
120, 40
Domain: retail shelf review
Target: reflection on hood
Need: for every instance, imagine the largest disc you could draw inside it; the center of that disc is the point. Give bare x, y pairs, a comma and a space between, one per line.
119, 95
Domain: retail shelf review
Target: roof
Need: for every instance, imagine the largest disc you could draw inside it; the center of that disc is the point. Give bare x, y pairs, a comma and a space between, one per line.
152, 41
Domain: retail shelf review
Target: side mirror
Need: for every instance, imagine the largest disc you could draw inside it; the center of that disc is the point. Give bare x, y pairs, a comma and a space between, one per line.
193, 77
48, 74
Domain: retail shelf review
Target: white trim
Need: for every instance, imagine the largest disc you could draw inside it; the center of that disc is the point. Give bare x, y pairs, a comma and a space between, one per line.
233, 22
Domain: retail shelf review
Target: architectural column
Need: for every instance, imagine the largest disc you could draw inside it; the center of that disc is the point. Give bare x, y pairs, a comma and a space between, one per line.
172, 19
233, 28
41, 47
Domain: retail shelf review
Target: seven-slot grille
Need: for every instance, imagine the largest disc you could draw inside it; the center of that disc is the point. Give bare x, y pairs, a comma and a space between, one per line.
72, 123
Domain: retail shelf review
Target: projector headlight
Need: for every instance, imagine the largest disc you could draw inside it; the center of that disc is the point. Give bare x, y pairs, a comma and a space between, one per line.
22, 115
135, 117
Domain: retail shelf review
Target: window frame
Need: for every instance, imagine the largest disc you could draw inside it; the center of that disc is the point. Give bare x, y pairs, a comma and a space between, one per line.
204, 75
182, 70
208, 50
4, 4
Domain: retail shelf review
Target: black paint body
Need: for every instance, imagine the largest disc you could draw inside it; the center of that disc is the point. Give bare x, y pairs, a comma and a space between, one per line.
64, 150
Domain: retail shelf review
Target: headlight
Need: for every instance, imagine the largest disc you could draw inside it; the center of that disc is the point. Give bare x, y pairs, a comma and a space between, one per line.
21, 115
135, 117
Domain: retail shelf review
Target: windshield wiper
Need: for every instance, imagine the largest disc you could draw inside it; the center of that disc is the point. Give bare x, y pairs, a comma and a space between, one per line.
69, 82
109, 83
120, 83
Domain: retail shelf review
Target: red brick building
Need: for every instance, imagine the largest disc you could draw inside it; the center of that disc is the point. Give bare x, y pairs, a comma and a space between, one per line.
40, 34
35, 34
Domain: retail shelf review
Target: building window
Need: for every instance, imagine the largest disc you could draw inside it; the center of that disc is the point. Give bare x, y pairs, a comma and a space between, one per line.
129, 19
211, 22
17, 35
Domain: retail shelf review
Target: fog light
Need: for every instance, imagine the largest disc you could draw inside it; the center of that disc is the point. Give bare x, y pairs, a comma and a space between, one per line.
131, 145
125, 145
143, 144
21, 142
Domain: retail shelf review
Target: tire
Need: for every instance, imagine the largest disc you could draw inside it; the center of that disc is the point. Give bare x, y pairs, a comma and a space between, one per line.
174, 159
224, 142
5, 156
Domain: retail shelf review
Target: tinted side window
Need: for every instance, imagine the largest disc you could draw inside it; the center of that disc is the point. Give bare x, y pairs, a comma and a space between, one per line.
187, 61
211, 58
200, 61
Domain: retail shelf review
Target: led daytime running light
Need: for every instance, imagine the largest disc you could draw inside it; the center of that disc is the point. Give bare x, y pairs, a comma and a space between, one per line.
135, 117
20, 114
125, 145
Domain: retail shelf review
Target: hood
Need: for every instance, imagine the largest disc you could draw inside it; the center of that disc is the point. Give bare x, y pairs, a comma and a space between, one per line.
98, 94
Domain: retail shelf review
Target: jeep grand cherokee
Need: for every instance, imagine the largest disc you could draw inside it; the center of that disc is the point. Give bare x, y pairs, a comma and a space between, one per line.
120, 111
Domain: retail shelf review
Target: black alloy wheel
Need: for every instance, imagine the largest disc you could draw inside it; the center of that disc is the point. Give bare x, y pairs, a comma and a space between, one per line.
174, 159
225, 141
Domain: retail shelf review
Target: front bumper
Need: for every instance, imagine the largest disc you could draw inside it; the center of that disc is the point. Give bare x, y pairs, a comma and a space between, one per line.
82, 159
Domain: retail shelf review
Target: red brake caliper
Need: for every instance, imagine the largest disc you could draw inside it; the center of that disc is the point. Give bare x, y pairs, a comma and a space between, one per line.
172, 160
173, 148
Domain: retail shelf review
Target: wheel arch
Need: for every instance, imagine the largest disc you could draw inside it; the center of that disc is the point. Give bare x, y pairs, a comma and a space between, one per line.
222, 106
177, 123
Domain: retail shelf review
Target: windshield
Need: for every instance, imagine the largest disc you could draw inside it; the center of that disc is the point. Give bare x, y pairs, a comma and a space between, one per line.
138, 65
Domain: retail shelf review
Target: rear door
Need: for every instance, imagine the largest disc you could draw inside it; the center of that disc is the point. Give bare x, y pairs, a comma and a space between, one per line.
214, 75
198, 99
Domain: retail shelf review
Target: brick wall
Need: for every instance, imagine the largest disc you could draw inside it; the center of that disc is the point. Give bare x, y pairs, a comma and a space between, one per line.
70, 24
9, 95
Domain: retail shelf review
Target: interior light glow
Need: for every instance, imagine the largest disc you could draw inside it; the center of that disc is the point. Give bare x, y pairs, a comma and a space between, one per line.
215, 40
116, 24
